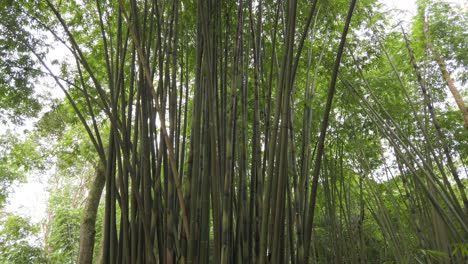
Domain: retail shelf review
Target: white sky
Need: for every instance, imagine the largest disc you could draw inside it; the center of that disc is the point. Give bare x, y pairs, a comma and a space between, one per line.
30, 199
407, 7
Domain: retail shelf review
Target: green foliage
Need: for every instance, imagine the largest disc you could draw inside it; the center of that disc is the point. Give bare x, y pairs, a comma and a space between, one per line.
458, 136
447, 27
435, 255
460, 248
19, 242
379, 204
17, 158
64, 226
70, 150
444, 23
18, 72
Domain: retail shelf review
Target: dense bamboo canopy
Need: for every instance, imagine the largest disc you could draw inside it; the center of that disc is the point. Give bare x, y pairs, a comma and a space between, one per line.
258, 131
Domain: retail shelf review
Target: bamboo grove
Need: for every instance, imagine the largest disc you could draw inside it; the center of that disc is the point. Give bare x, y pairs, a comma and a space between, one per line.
235, 132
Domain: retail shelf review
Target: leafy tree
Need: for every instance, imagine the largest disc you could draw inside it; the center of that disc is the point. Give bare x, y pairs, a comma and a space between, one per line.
18, 69
19, 241
18, 158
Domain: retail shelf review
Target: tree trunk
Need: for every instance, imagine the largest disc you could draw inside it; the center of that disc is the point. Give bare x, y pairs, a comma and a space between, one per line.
88, 223
448, 79
445, 73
